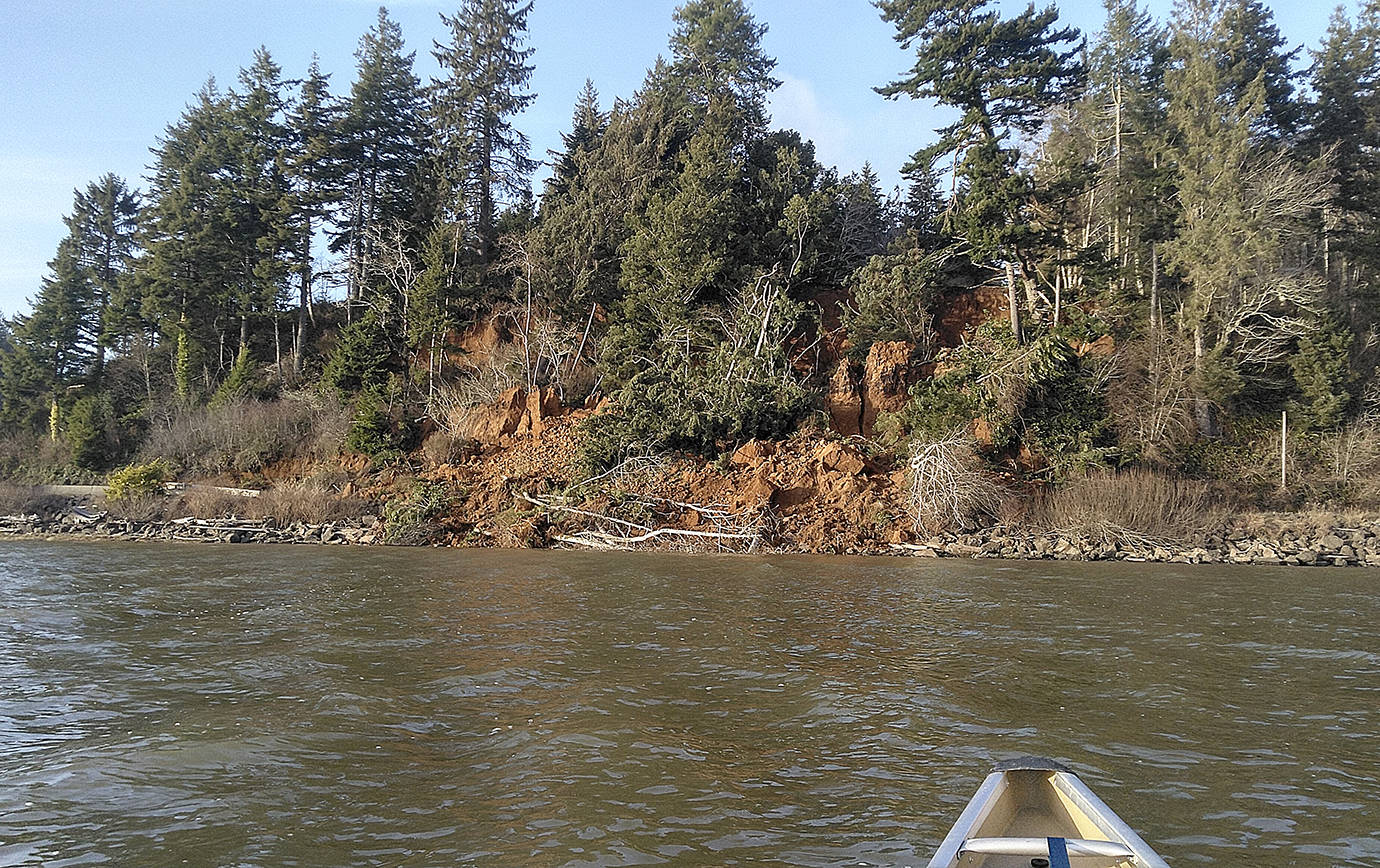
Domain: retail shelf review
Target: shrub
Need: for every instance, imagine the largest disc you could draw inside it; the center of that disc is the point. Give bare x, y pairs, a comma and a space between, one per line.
363, 357
240, 383
1322, 375
410, 520
1130, 506
137, 481
894, 296
948, 488
1150, 398
246, 436
1038, 393
379, 429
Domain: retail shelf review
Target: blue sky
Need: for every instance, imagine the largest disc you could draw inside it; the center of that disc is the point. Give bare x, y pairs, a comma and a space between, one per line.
86, 86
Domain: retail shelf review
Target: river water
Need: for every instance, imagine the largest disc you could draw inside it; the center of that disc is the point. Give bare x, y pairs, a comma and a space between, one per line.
280, 706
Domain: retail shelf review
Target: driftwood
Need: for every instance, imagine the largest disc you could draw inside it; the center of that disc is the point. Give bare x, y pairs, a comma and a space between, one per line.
733, 532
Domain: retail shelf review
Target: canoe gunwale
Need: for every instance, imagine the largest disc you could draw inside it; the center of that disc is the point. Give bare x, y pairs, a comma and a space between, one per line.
1068, 788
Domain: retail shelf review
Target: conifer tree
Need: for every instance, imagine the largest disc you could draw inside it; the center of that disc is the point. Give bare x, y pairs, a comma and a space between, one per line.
313, 169
266, 210
586, 129
102, 229
1344, 128
1125, 109
1253, 49
185, 278
1240, 200
1003, 75
382, 146
716, 51
484, 162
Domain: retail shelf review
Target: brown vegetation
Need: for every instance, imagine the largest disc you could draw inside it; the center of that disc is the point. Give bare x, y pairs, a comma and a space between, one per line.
1133, 506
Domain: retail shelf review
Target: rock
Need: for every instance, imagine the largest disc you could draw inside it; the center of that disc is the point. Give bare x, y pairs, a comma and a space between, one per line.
752, 453
1306, 558
1098, 349
844, 399
840, 458
758, 492
541, 404
1347, 552
491, 423
1331, 542
887, 376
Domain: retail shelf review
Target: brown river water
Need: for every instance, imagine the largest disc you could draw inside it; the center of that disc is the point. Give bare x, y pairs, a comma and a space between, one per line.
282, 706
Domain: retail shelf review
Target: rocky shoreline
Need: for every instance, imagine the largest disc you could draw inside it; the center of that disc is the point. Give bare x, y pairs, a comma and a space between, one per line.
1288, 546
84, 523
1335, 547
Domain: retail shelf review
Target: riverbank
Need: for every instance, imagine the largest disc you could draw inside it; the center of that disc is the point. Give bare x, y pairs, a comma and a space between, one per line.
514, 478
79, 522
1276, 540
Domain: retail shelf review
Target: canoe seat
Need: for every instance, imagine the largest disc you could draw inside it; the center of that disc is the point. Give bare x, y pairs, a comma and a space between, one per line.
1040, 847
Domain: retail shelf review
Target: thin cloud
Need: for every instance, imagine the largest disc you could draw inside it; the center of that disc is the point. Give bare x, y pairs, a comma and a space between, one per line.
795, 106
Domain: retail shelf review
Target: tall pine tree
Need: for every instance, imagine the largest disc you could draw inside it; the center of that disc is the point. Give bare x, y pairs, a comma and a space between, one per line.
1003, 75
485, 72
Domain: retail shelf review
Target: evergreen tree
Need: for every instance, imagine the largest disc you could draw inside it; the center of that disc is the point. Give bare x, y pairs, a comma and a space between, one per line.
312, 169
60, 345
102, 229
1253, 49
1003, 75
266, 209
1344, 129
1240, 200
716, 51
186, 277
1124, 113
586, 129
485, 72
382, 147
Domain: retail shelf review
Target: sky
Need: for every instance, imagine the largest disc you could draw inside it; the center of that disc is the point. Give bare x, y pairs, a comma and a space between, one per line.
87, 86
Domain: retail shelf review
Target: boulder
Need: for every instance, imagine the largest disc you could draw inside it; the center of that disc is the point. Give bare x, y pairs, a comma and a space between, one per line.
887, 377
840, 458
752, 453
843, 399
541, 404
490, 423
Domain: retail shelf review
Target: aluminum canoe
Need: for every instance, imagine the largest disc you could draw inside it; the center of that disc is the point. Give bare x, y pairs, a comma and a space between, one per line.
1032, 813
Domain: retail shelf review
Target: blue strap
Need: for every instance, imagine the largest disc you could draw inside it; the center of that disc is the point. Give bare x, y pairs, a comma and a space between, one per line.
1058, 853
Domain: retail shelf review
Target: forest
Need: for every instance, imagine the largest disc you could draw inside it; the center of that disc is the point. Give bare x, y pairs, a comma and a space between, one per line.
1141, 249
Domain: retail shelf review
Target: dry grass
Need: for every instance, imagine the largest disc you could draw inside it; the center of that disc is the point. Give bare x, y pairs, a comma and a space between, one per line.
293, 503
141, 507
247, 435
28, 500
1129, 507
1270, 525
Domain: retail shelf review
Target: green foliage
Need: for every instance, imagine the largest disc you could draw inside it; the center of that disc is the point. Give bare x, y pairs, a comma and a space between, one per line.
137, 481
894, 296
1323, 377
362, 358
485, 72
241, 382
410, 520
717, 50
699, 383
1038, 395
379, 428
90, 432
